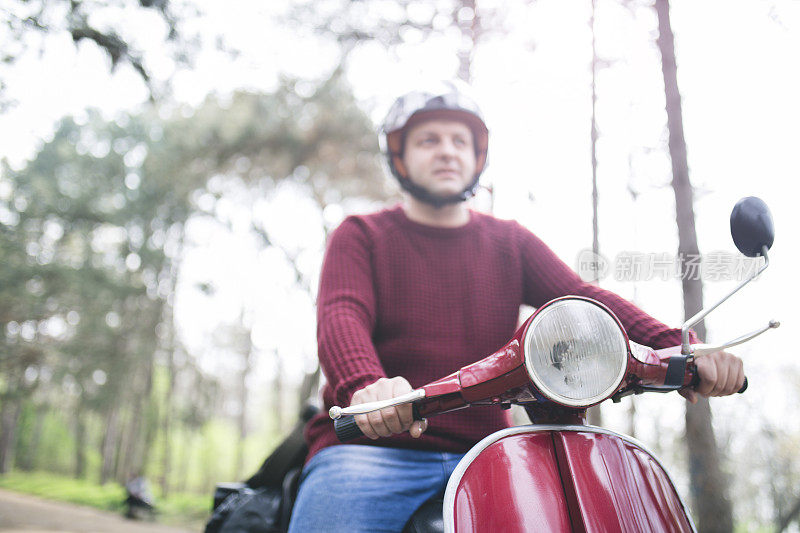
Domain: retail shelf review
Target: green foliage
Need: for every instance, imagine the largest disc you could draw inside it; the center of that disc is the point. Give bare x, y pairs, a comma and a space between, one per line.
188, 509
56, 448
49, 485
751, 527
185, 509
313, 133
25, 430
92, 233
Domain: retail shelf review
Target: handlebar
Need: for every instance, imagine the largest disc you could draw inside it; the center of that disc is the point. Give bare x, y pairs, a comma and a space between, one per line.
681, 372
347, 429
695, 381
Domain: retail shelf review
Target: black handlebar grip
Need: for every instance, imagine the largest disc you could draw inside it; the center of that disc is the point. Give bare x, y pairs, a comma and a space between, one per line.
346, 428
696, 381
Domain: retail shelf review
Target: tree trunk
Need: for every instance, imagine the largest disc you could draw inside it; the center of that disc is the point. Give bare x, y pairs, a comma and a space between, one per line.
108, 449
471, 32
469, 23
148, 412
632, 418
9, 417
308, 388
166, 423
182, 477
147, 443
170, 346
126, 456
238, 468
134, 444
124, 450
277, 396
80, 444
593, 136
709, 488
27, 461
594, 414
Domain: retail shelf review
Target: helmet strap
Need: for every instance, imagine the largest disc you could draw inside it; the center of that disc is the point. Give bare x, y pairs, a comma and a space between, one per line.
424, 195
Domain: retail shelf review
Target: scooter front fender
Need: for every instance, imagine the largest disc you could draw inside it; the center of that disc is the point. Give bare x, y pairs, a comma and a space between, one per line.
562, 478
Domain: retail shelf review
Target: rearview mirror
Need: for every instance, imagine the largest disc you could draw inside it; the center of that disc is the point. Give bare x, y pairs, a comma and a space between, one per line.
751, 226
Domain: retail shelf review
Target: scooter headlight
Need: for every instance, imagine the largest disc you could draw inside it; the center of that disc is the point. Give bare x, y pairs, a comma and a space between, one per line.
575, 352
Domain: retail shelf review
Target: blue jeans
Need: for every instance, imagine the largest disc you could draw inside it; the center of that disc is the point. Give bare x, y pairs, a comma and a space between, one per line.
354, 487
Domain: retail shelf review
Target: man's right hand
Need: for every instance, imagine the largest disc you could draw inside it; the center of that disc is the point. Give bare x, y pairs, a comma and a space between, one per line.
390, 420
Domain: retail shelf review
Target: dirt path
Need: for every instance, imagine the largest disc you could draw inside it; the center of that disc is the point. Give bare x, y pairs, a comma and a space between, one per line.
29, 514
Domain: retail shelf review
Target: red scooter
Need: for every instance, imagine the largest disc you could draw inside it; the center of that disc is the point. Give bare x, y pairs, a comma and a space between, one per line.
560, 474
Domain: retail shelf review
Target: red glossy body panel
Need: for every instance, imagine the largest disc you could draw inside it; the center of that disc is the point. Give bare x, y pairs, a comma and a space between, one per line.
502, 376
447, 385
649, 367
619, 486
496, 388
491, 377
644, 354
609, 484
501, 362
513, 486
666, 353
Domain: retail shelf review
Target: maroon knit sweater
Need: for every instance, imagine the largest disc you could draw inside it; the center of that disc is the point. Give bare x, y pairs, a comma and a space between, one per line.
398, 298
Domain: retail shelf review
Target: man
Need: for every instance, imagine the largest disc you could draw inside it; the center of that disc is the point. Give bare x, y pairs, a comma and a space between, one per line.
413, 293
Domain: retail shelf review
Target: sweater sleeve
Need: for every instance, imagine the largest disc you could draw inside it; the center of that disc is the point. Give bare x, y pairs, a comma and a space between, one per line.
548, 277
346, 313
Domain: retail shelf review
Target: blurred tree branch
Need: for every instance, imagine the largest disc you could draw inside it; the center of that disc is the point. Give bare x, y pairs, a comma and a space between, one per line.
391, 23
789, 517
77, 18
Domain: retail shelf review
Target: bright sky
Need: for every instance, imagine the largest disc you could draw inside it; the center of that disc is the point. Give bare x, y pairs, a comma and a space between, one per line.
738, 76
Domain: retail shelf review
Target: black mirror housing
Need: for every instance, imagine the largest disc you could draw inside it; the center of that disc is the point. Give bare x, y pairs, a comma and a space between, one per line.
751, 226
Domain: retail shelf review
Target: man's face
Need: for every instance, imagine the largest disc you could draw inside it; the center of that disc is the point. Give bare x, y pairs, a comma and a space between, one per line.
440, 156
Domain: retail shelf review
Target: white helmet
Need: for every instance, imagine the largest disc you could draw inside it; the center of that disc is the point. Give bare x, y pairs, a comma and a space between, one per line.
448, 100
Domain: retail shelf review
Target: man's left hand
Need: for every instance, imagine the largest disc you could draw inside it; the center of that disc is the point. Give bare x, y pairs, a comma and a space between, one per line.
720, 374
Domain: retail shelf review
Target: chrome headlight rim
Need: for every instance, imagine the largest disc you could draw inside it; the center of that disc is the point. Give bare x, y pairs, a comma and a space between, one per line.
541, 386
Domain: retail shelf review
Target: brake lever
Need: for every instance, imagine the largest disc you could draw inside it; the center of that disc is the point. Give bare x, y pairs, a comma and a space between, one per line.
337, 412
699, 350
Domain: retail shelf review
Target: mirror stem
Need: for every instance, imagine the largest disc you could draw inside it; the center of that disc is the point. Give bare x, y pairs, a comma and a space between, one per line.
686, 347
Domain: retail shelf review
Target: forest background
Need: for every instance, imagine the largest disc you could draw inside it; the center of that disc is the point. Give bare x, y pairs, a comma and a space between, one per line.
171, 170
